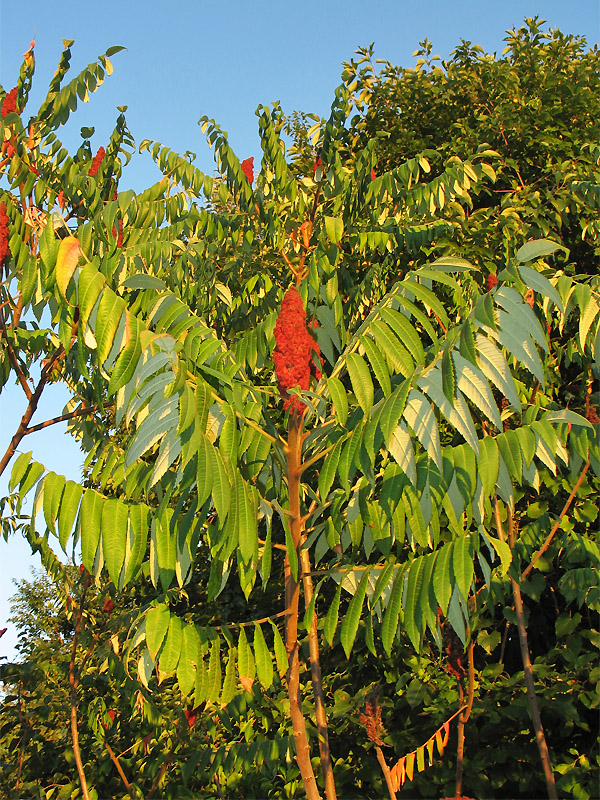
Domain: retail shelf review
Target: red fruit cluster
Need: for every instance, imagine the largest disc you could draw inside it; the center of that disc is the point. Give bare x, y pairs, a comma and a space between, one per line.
108, 606
9, 104
316, 165
491, 281
4, 251
191, 714
248, 169
111, 715
118, 237
373, 174
293, 355
98, 158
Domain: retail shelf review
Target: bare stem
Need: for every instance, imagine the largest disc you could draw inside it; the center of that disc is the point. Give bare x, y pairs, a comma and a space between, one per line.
117, 764
386, 772
14, 360
292, 596
463, 718
30, 410
317, 683
79, 412
527, 668
73, 683
460, 747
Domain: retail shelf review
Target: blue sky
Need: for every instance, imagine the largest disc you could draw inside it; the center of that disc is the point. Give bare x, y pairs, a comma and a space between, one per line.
187, 59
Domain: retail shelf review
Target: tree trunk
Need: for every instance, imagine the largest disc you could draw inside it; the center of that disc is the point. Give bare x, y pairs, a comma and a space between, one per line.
527, 669
292, 596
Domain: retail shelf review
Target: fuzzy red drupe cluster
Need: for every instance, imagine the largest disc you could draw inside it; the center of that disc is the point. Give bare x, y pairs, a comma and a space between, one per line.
491, 281
98, 158
293, 355
4, 251
9, 104
248, 169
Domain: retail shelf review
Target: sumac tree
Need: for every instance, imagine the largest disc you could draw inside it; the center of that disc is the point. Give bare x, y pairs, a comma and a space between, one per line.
295, 376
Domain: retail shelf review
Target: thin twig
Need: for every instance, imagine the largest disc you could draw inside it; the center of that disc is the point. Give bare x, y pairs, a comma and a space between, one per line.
117, 764
80, 412
556, 525
14, 360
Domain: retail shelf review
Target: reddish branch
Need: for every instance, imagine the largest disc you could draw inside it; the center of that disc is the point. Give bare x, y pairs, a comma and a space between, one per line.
117, 764
79, 412
386, 772
292, 596
463, 718
14, 360
317, 682
73, 683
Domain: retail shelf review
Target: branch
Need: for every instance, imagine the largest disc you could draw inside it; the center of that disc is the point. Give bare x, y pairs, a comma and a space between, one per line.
14, 360
386, 772
80, 412
306, 464
117, 764
73, 682
317, 679
556, 525
462, 720
526, 658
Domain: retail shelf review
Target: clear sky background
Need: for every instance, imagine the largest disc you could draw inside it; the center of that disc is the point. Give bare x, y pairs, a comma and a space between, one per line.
188, 58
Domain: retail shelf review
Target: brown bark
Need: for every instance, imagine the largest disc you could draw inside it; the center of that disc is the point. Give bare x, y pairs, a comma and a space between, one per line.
32, 405
462, 720
317, 683
292, 597
527, 667
73, 683
117, 764
386, 772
